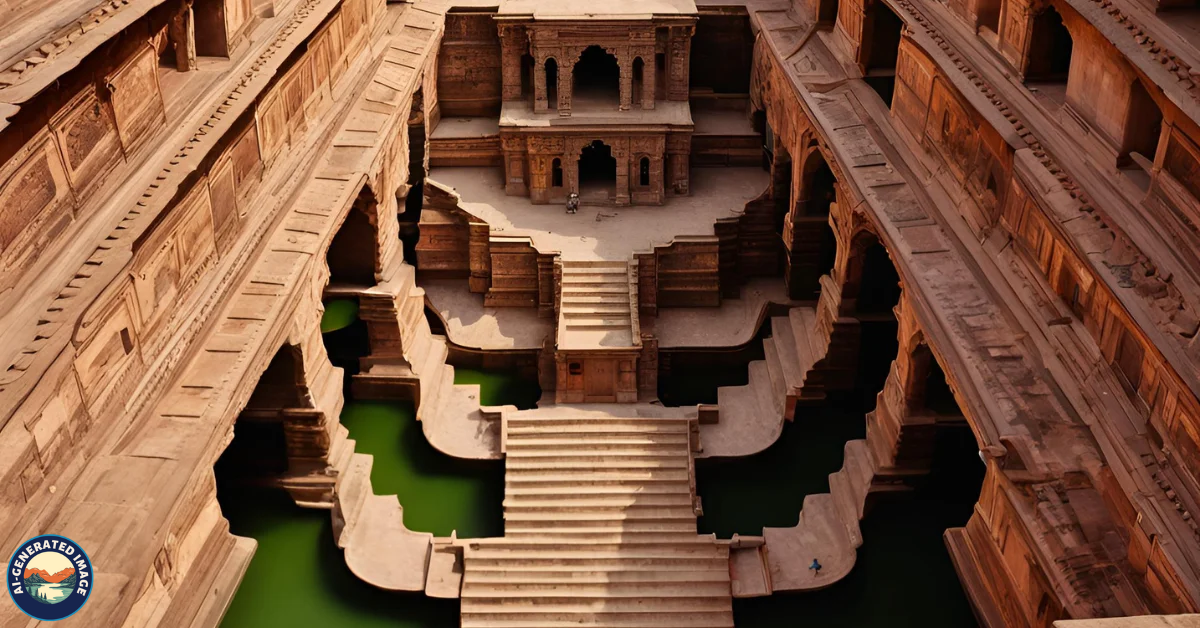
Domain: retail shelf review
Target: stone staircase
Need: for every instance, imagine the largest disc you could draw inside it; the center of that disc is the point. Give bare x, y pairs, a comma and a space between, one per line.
828, 529
752, 416
598, 307
412, 364
600, 530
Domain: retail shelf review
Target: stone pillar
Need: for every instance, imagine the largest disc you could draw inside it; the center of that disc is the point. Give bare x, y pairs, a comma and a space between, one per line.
620, 150
512, 46
540, 102
515, 154
678, 60
183, 36
679, 148
649, 78
625, 64
566, 80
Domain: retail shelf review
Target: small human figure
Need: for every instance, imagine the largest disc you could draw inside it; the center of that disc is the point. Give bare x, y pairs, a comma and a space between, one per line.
816, 567
572, 203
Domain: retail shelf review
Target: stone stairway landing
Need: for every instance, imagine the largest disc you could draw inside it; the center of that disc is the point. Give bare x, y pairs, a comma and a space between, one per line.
596, 309
752, 416
600, 530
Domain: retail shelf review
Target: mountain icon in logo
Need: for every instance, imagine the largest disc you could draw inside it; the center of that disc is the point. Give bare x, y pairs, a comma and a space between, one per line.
50, 587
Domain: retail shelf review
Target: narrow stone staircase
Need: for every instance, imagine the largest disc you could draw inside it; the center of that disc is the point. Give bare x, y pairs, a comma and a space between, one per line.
597, 308
600, 530
752, 415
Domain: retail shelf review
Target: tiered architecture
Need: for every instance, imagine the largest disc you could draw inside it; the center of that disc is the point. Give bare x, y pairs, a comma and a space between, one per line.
981, 214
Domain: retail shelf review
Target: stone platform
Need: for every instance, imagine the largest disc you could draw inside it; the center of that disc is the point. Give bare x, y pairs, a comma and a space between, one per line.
604, 233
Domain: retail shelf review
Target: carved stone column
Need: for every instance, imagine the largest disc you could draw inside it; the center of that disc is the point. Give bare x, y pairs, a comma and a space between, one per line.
566, 80
540, 102
515, 155
649, 78
679, 148
620, 150
678, 60
512, 45
625, 64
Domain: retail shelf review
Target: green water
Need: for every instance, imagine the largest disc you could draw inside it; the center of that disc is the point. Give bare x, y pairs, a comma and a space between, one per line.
439, 493
903, 576
339, 314
298, 577
500, 388
745, 494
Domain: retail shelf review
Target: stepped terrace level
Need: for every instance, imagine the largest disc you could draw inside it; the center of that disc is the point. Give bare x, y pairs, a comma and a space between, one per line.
297, 328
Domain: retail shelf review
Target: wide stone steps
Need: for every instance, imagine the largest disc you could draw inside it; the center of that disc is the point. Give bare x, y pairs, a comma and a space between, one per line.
560, 617
624, 526
595, 307
643, 590
598, 442
551, 462
600, 487
600, 530
627, 620
591, 501
556, 424
579, 297
518, 577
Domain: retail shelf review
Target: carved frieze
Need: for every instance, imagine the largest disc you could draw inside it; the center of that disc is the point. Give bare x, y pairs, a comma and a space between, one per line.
87, 138
136, 99
35, 199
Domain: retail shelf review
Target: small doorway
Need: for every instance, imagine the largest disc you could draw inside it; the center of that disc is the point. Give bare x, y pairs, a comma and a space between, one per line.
600, 381
597, 172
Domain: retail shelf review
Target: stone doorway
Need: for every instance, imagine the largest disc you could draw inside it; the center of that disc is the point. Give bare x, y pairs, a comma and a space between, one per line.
597, 173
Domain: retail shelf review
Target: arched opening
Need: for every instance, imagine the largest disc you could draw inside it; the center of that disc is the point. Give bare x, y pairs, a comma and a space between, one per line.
258, 451
597, 79
781, 182
882, 30
827, 12
879, 285
597, 172
873, 282
644, 172
552, 83
556, 173
639, 71
1143, 126
354, 252
819, 185
1050, 47
527, 79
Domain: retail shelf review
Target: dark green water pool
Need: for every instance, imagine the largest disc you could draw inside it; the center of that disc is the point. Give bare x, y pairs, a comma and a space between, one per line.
903, 577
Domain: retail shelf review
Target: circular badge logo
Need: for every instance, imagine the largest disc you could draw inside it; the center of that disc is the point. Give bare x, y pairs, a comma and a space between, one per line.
49, 577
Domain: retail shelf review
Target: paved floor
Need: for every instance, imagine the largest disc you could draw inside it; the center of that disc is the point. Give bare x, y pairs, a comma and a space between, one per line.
605, 233
734, 323
470, 324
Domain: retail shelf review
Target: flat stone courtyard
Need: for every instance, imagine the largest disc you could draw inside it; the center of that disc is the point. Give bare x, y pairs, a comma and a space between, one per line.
604, 232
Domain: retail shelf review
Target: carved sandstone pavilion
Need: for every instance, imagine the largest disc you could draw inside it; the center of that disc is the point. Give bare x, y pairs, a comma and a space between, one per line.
973, 216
